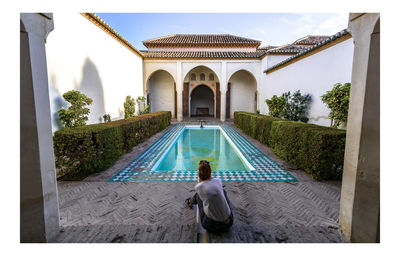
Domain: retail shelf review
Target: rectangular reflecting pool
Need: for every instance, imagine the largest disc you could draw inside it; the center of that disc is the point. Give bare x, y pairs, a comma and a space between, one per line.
174, 157
209, 143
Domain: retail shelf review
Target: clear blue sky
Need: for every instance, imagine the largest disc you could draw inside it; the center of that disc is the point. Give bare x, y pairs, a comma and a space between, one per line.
270, 28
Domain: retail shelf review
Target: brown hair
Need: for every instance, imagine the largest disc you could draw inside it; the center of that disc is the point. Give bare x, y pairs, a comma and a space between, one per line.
204, 170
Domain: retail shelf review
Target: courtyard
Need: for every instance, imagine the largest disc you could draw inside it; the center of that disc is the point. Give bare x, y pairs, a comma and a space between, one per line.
95, 210
95, 169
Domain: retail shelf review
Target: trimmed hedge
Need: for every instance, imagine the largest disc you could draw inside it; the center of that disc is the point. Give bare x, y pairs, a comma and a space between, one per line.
318, 150
85, 150
255, 125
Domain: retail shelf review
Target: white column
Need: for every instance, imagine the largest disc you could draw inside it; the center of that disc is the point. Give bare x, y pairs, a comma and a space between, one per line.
258, 106
223, 87
359, 203
179, 88
39, 201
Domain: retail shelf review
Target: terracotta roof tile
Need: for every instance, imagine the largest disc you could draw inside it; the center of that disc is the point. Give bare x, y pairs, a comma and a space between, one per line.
310, 40
201, 39
338, 35
202, 54
288, 48
266, 48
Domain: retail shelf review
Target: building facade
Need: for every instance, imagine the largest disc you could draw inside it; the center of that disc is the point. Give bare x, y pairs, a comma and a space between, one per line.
192, 75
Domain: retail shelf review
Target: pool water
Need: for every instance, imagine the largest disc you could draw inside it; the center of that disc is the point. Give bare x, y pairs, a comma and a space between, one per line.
175, 155
195, 144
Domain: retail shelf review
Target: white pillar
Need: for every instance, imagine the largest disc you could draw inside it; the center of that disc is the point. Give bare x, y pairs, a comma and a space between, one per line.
223, 88
359, 203
258, 106
179, 88
39, 201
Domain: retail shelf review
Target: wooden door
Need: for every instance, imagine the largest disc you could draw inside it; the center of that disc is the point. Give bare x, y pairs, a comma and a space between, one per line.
175, 102
185, 100
228, 102
218, 101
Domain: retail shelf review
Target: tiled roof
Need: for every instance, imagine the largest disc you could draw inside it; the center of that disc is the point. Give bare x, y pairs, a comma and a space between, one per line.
203, 54
340, 35
201, 39
288, 48
310, 40
266, 48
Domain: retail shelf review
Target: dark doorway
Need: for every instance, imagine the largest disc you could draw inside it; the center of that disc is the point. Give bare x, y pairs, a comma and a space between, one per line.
202, 102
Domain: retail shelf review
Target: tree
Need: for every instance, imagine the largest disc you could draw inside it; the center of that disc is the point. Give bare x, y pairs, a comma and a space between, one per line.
77, 114
275, 106
129, 107
296, 106
338, 102
143, 105
292, 107
107, 118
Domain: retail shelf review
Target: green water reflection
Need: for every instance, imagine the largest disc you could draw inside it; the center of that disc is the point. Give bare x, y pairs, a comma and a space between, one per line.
202, 144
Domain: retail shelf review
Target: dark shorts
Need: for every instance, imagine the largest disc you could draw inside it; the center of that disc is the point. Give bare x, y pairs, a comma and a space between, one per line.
211, 225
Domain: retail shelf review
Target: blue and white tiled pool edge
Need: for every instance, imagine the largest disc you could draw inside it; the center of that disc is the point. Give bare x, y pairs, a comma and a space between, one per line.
139, 170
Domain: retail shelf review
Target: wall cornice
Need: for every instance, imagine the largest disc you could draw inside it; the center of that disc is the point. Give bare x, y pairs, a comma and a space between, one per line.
110, 31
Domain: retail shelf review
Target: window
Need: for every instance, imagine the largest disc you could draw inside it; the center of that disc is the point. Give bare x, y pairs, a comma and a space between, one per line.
202, 77
193, 77
211, 77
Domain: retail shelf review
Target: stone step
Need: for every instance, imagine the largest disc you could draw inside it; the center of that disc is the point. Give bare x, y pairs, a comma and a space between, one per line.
130, 233
277, 234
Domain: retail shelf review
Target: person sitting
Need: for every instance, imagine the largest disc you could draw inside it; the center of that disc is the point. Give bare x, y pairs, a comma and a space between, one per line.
214, 206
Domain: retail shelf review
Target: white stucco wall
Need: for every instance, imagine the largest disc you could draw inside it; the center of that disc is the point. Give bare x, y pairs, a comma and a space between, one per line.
315, 75
162, 94
198, 71
81, 56
276, 58
243, 88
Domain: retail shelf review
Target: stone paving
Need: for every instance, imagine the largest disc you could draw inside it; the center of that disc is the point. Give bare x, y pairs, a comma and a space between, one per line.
95, 210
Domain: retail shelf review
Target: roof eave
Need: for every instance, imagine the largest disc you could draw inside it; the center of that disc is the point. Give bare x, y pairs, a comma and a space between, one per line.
110, 31
335, 39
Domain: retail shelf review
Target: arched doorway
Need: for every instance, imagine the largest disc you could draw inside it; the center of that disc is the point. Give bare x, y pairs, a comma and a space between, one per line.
242, 93
161, 90
202, 101
201, 93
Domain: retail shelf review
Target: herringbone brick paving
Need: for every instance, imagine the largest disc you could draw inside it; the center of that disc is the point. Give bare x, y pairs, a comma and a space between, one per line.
98, 211
155, 212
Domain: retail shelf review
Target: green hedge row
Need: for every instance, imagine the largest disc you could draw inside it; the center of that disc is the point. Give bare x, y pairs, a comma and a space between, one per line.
82, 151
255, 125
318, 150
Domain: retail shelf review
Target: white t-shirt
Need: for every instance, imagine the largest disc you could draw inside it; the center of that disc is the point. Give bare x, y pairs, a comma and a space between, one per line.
214, 201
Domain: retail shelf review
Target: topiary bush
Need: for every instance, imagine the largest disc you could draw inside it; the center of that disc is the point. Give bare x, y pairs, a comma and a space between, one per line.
129, 107
276, 105
77, 114
338, 100
107, 118
318, 150
143, 104
85, 150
